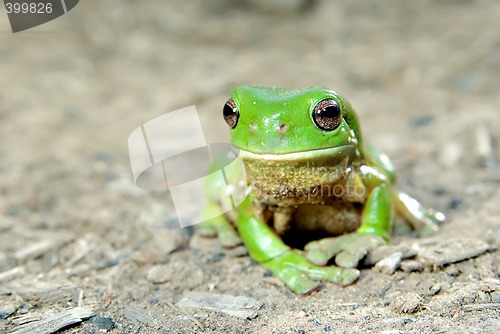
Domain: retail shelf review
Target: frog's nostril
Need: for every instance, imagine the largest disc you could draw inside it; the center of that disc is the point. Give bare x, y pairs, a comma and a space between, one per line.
282, 129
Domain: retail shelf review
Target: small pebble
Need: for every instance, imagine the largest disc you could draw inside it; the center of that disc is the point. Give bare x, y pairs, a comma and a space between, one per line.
454, 203
103, 323
382, 252
411, 266
408, 303
495, 297
389, 264
159, 274
435, 289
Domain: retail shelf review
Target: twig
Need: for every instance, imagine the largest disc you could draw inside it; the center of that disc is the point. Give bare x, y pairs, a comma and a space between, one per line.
56, 322
11, 274
480, 307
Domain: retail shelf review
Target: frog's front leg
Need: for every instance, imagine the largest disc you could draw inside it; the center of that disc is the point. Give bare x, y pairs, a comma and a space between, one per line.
376, 221
291, 266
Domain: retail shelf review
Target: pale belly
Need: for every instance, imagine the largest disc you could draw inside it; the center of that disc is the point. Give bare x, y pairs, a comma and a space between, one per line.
333, 219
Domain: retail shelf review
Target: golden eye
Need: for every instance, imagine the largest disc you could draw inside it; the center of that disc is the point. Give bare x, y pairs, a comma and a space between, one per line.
231, 113
327, 115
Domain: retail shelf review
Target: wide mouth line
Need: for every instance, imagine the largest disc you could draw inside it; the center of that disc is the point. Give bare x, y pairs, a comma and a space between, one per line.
301, 155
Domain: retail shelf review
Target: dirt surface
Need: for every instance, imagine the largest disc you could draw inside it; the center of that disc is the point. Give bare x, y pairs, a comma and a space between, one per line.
77, 232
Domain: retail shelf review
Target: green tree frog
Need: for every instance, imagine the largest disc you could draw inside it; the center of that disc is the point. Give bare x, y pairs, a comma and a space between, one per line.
307, 169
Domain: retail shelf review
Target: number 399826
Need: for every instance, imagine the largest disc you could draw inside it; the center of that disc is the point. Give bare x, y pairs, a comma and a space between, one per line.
32, 8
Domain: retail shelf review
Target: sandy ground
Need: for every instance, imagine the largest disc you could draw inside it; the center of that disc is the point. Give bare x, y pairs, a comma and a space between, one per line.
77, 232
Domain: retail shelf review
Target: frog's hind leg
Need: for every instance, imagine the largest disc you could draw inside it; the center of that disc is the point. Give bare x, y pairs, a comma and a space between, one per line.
425, 221
219, 226
381, 161
291, 266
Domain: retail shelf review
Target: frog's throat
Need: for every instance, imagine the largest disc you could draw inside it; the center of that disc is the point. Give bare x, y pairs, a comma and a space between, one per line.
296, 178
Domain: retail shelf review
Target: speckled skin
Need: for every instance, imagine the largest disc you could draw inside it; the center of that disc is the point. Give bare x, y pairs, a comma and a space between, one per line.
301, 176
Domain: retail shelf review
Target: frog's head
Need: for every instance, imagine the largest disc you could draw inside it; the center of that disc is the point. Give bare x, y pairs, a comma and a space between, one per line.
289, 132
280, 121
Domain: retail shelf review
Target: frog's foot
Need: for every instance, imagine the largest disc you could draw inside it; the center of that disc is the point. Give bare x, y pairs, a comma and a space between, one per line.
348, 249
423, 220
428, 223
301, 276
222, 229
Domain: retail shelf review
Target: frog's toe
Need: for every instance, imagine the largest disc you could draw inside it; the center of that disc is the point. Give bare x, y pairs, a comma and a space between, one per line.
428, 229
290, 268
348, 276
316, 254
342, 276
436, 216
302, 277
301, 284
347, 260
321, 251
423, 220
358, 249
430, 223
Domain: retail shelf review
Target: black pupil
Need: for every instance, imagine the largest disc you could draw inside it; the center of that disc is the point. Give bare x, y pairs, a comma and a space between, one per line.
228, 111
330, 112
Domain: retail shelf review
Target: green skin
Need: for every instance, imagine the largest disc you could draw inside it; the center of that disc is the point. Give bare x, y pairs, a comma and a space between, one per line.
291, 166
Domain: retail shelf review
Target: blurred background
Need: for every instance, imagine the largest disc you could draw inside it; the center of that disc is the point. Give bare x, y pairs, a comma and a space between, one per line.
423, 76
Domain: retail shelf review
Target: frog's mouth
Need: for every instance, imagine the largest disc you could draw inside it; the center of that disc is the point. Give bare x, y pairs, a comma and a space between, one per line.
332, 153
294, 178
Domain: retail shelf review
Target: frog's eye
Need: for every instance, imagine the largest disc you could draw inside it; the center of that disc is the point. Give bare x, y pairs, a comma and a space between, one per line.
231, 113
327, 115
